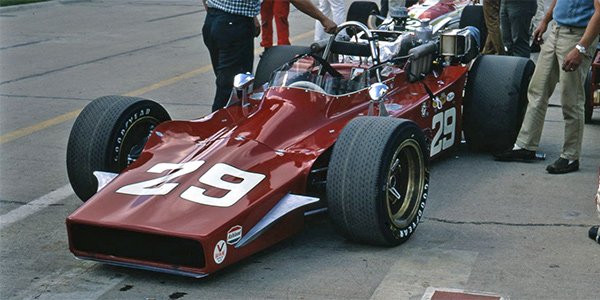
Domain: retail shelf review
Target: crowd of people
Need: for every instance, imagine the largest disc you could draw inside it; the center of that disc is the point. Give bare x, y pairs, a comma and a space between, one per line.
515, 27
510, 24
566, 56
230, 27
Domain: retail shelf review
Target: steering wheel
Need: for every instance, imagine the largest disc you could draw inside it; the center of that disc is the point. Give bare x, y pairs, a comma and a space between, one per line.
307, 85
360, 27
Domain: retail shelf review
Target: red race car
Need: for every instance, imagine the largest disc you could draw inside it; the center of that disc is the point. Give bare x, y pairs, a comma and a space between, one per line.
592, 88
441, 14
349, 131
594, 232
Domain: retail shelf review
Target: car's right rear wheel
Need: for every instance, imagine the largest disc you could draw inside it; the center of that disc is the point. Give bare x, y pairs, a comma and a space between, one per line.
495, 101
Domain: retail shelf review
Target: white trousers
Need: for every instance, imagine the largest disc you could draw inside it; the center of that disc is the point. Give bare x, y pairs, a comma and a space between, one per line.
539, 14
334, 9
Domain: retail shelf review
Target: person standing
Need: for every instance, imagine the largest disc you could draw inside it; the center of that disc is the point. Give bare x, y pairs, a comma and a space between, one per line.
384, 8
515, 23
566, 57
280, 9
491, 14
228, 32
331, 8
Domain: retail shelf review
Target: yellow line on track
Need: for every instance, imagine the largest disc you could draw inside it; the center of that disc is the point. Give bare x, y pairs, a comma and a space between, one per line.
172, 80
37, 127
5, 138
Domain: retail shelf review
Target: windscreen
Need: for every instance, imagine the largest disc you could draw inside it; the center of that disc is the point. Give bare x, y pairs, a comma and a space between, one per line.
305, 73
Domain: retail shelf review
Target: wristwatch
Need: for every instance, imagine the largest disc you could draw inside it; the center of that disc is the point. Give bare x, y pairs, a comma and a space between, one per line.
580, 48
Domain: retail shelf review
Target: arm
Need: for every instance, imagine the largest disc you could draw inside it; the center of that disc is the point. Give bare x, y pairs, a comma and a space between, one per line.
256, 26
593, 28
310, 9
543, 26
574, 58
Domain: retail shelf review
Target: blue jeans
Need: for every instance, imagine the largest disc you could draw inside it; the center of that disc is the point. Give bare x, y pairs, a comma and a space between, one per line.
230, 41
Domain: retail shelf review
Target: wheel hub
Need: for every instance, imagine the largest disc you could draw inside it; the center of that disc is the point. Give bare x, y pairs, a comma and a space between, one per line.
405, 182
134, 140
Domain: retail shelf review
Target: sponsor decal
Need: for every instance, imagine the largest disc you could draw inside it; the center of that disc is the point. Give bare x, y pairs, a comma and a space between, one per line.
443, 99
143, 112
424, 112
220, 252
400, 233
234, 235
451, 96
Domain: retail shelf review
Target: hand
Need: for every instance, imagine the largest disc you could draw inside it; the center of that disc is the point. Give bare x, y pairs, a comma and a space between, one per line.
572, 61
539, 32
256, 27
329, 26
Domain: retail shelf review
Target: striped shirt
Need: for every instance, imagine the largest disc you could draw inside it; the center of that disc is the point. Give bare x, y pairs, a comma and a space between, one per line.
247, 8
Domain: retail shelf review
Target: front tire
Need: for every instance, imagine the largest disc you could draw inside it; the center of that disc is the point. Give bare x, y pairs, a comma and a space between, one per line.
107, 136
496, 101
378, 180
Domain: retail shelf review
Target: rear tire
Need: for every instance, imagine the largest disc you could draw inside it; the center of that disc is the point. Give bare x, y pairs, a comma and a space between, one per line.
496, 101
378, 180
360, 11
106, 136
273, 58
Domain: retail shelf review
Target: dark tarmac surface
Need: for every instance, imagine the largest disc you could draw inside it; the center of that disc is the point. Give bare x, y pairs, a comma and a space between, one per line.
505, 229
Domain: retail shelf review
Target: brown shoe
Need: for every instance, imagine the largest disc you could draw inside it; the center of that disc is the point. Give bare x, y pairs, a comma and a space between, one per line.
595, 234
561, 166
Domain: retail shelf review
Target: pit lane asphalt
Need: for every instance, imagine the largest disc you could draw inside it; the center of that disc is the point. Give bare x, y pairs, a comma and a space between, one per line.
508, 229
